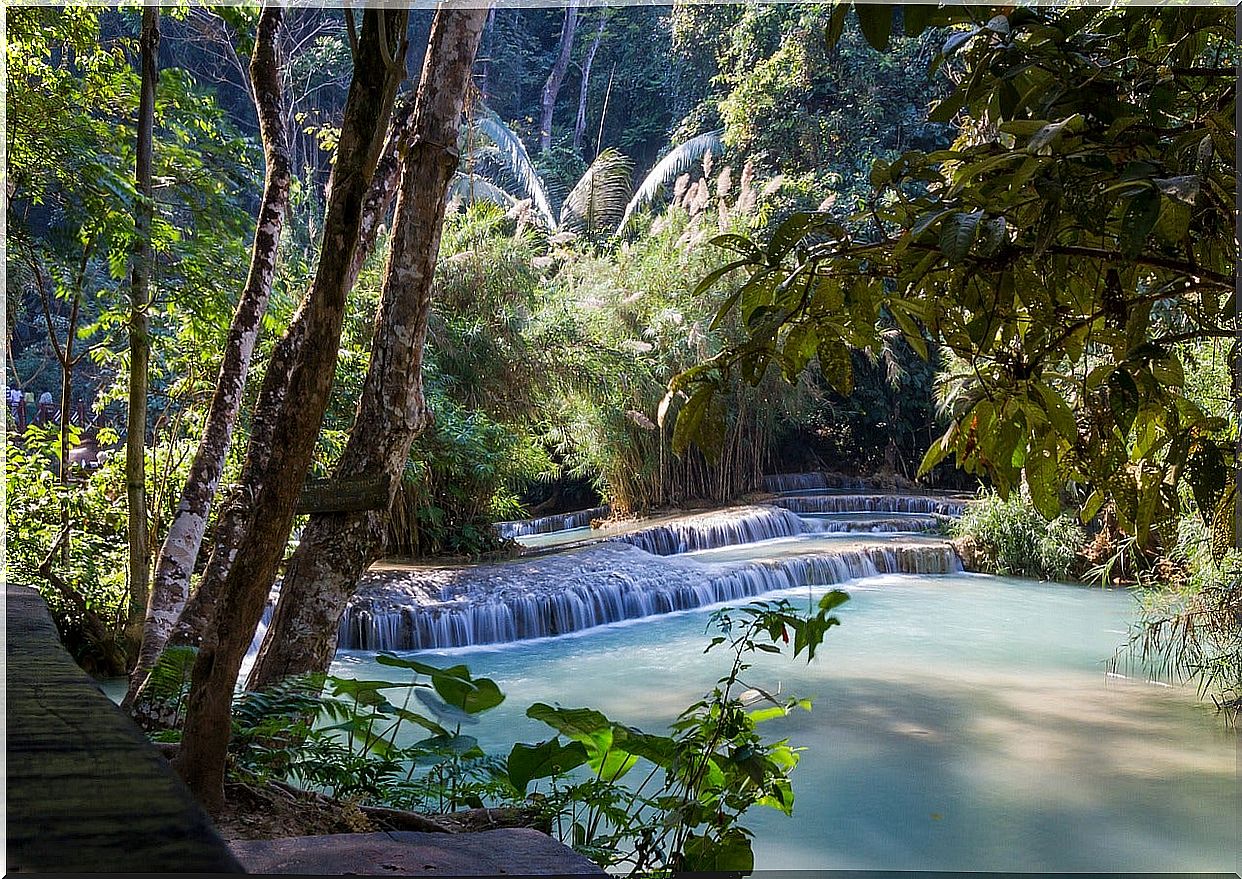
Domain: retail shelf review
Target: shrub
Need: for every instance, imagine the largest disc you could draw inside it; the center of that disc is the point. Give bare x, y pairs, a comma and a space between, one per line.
1013, 539
1188, 629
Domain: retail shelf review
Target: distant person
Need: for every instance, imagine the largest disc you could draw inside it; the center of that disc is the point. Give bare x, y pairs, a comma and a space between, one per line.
16, 399
47, 409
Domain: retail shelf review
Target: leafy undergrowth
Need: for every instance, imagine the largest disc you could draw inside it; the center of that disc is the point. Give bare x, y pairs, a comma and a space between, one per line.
322, 755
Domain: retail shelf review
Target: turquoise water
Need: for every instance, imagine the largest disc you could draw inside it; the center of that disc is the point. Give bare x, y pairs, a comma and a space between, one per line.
960, 723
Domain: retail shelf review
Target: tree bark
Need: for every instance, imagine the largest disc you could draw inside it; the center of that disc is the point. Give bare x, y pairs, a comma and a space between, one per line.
288, 416
185, 535
580, 122
139, 325
196, 613
336, 547
553, 86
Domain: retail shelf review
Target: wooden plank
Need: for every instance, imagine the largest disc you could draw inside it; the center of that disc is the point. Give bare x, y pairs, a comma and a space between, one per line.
349, 495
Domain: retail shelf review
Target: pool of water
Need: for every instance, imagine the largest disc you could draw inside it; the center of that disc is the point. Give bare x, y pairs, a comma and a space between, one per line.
960, 722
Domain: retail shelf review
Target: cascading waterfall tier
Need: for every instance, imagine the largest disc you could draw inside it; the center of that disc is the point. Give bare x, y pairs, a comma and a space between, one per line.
713, 530
602, 584
549, 524
871, 503
872, 524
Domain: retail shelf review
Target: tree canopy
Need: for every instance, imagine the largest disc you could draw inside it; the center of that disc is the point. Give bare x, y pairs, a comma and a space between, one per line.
1069, 259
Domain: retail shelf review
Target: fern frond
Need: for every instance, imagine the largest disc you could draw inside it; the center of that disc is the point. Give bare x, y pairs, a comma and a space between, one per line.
511, 152
679, 160
471, 188
599, 198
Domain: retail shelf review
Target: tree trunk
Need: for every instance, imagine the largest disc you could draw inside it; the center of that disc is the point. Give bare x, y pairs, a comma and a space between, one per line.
194, 616
185, 535
553, 86
288, 416
336, 547
139, 326
580, 123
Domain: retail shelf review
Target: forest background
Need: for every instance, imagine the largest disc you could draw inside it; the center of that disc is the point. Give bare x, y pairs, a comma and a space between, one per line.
610, 160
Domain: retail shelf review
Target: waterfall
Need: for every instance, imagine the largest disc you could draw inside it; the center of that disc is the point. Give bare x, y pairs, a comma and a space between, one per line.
871, 503
872, 524
266, 620
713, 530
608, 584
548, 524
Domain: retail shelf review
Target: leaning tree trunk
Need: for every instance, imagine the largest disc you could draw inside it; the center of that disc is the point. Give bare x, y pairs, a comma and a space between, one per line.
139, 326
185, 534
580, 122
335, 548
196, 612
288, 417
553, 86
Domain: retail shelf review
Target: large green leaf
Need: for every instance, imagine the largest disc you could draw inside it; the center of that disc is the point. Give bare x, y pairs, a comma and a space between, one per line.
530, 762
1142, 212
957, 234
876, 22
730, 852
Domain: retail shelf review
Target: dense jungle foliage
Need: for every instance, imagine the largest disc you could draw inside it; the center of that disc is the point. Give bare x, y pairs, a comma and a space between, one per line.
547, 354
991, 250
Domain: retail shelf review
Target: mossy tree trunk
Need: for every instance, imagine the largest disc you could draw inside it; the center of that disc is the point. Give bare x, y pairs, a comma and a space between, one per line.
335, 548
289, 412
139, 326
185, 534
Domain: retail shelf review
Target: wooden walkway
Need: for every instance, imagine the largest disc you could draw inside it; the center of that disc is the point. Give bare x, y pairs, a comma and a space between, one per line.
86, 791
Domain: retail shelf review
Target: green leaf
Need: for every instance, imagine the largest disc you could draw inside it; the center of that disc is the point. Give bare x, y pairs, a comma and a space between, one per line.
793, 230
730, 852
759, 715
1059, 414
1123, 398
530, 762
710, 281
956, 40
836, 365
832, 600
945, 110
1208, 475
1140, 218
1224, 527
660, 750
1042, 479
876, 22
1048, 135
739, 244
690, 418
957, 234
580, 724
799, 347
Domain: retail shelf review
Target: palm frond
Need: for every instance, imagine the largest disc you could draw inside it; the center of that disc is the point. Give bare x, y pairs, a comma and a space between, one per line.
598, 199
511, 152
471, 188
679, 160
